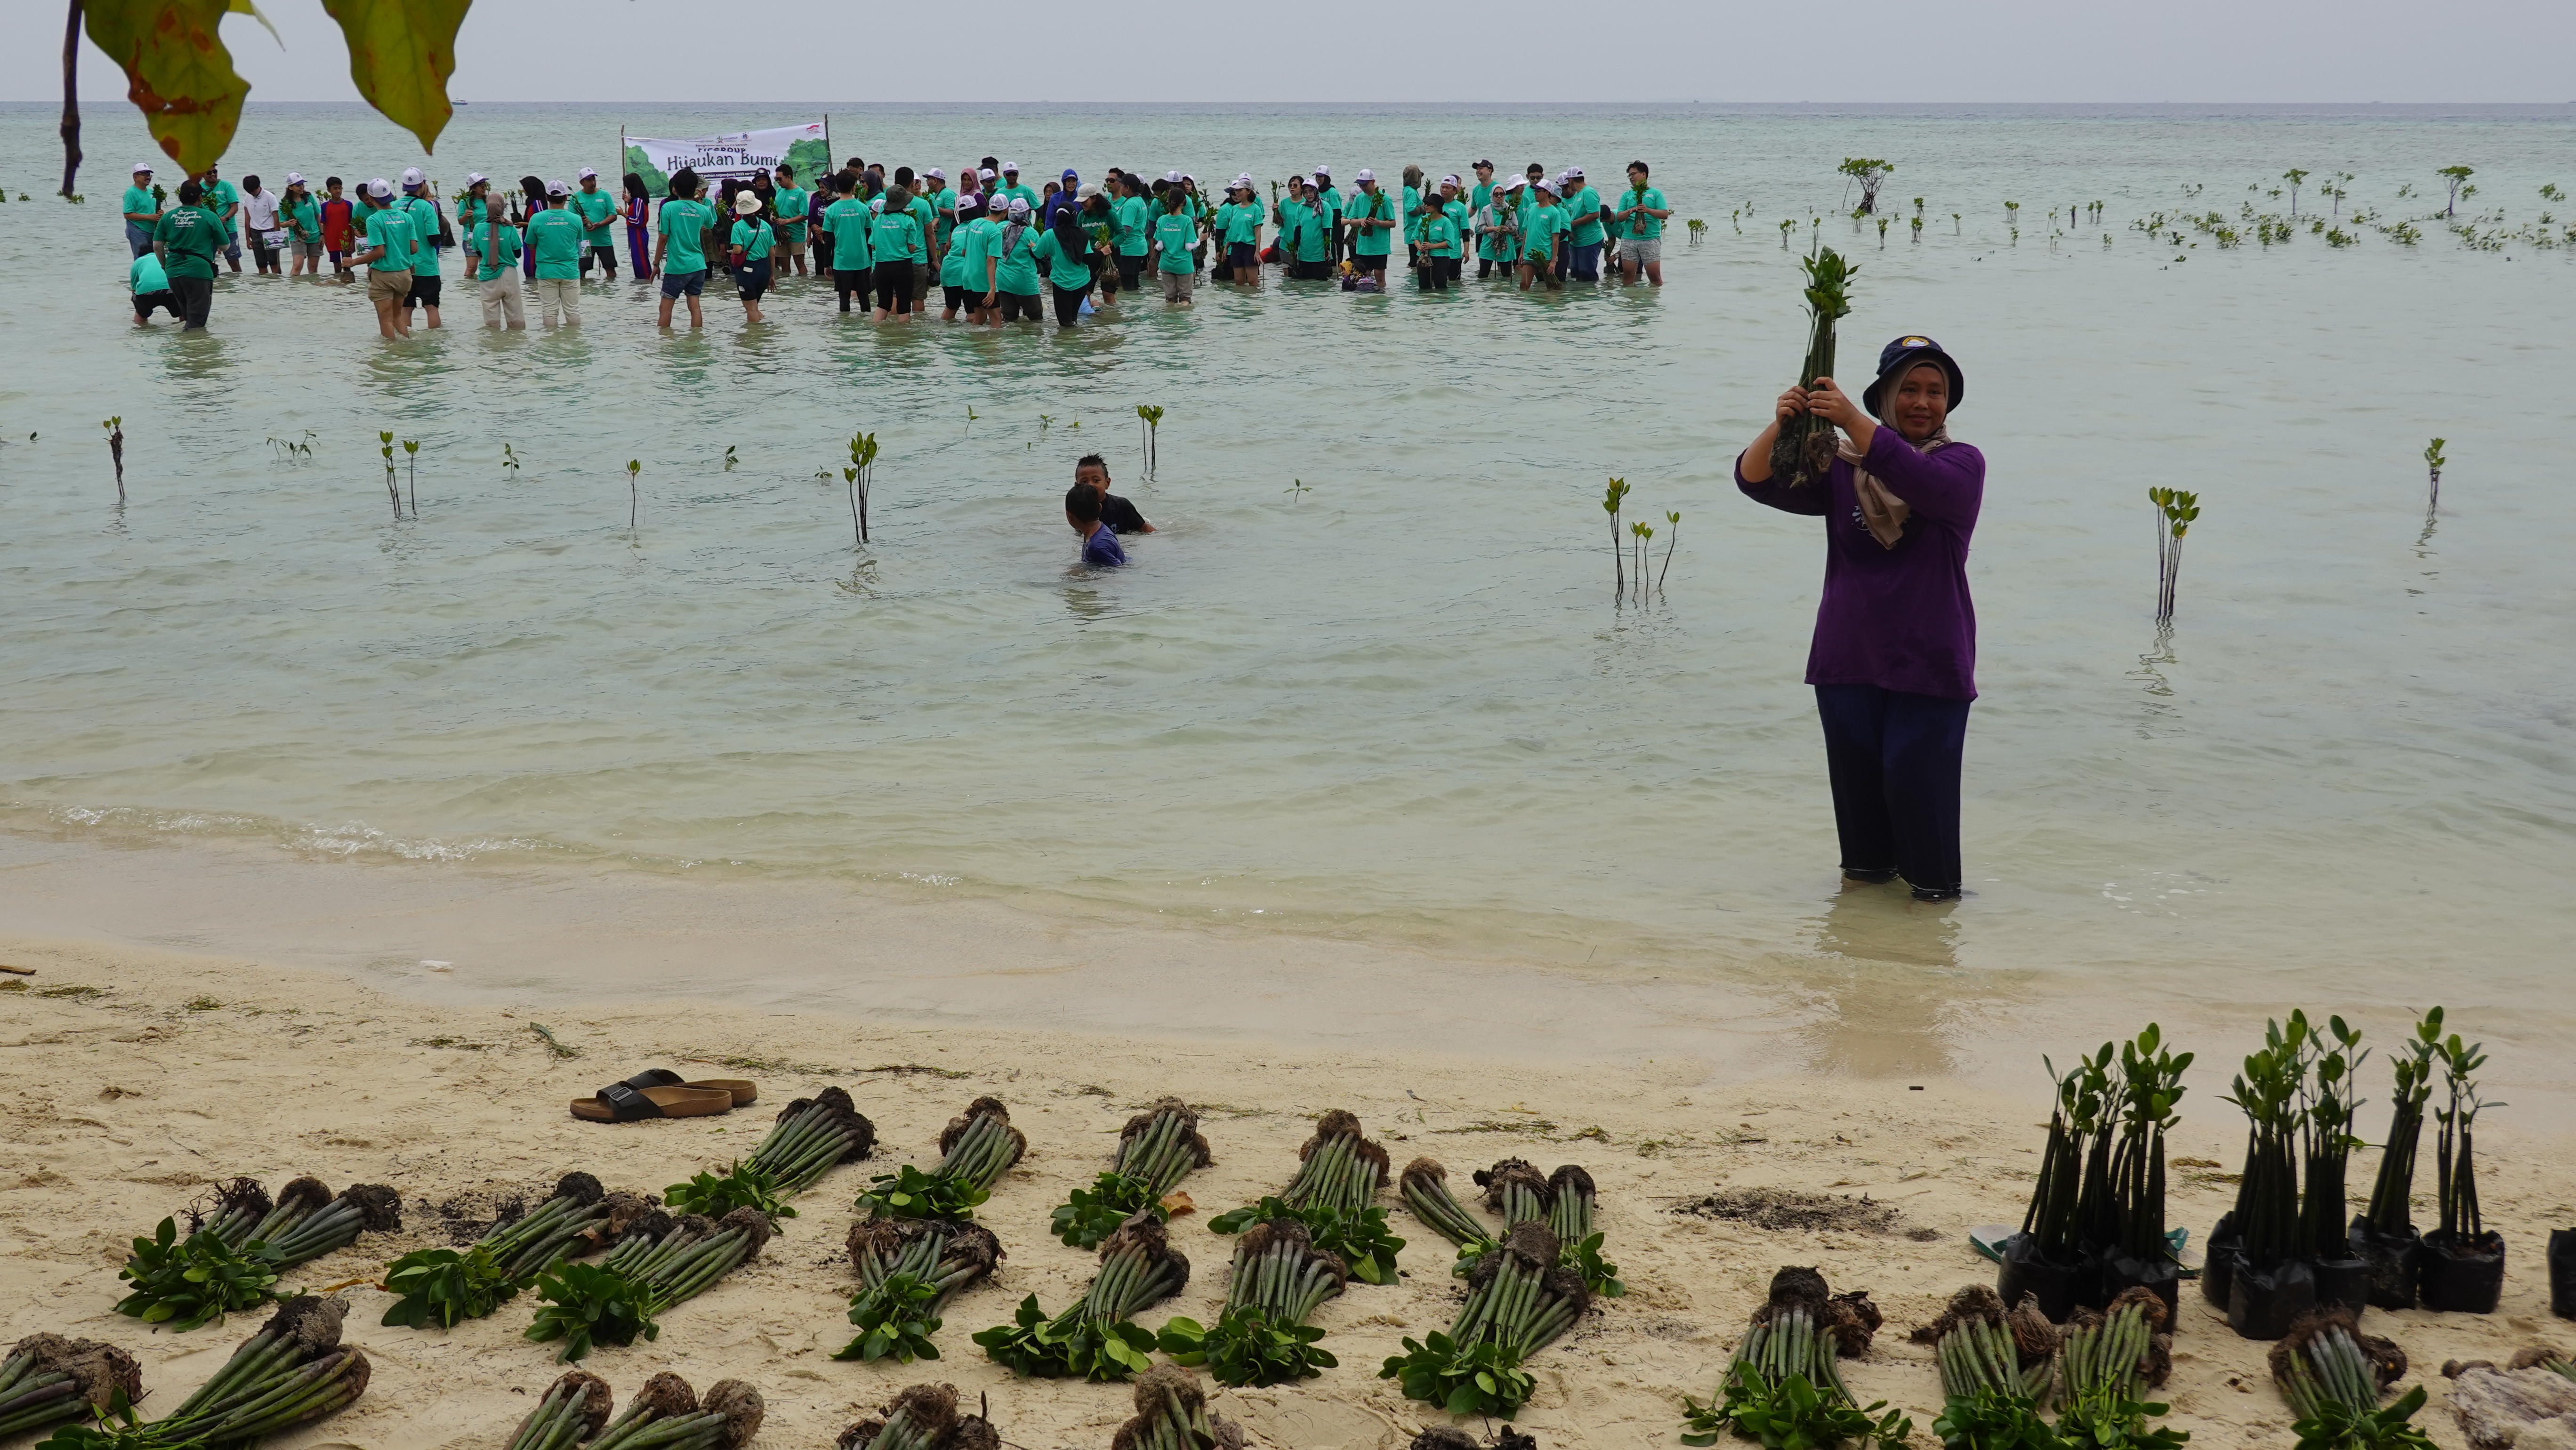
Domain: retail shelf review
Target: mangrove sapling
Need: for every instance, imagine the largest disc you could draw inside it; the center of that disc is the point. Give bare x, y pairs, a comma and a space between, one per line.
46, 1379
813, 1136
687, 1260
1611, 500
1981, 1347
1644, 535
909, 1268
308, 1221
188, 1282
1569, 1217
292, 1371
1097, 1337
1988, 1419
385, 450
2463, 1262
2121, 1352
922, 1417
115, 429
233, 1257
2150, 1089
572, 1410
729, 459
1152, 428
2325, 1154
1674, 519
634, 492
1699, 230
411, 472
442, 1288
2454, 175
1804, 452
1871, 173
1279, 1277
1172, 1414
2384, 1236
2046, 1258
2294, 176
2175, 511
1882, 234
2333, 1377
1787, 225
667, 1415
859, 475
1156, 1150
588, 1305
2433, 461
1518, 1302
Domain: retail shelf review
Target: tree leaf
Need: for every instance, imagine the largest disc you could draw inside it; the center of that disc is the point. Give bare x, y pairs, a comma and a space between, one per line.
177, 72
401, 53
244, 7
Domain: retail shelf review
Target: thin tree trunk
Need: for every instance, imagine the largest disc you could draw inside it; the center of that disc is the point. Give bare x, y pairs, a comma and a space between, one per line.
71, 99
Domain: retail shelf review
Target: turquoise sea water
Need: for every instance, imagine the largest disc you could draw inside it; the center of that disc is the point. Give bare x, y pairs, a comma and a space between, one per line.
1400, 701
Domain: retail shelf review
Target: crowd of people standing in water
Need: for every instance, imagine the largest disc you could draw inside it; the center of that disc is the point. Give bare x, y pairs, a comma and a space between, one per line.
995, 249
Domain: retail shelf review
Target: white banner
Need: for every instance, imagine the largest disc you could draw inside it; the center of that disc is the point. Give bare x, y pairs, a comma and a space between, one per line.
735, 155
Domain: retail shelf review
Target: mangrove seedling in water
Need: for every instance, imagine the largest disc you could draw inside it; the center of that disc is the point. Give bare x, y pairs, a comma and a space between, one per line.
1870, 173
1787, 225
2175, 510
1882, 234
2294, 176
115, 428
294, 450
1675, 520
411, 471
385, 450
1611, 498
860, 474
1954, 224
729, 459
2433, 461
1643, 534
634, 494
1299, 488
1153, 426
1699, 230
1804, 450
2455, 175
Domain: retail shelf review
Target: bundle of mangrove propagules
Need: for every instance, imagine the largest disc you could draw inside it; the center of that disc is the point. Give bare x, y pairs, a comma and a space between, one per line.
294, 1370
659, 1263
1338, 1175
668, 1415
1518, 1301
1156, 1150
2118, 1351
909, 1268
232, 1258
1804, 451
1097, 1338
813, 1136
46, 1379
1563, 1200
445, 1287
923, 1417
1785, 1384
1172, 1414
1261, 1337
974, 1152
687, 1261
572, 1410
1337, 1168
1425, 1190
307, 1220
2333, 1375
1982, 1346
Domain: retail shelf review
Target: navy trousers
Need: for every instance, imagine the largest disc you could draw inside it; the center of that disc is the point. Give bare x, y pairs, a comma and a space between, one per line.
1893, 758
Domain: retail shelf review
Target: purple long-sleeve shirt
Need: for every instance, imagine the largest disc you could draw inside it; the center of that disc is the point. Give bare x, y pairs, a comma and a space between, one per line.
1896, 618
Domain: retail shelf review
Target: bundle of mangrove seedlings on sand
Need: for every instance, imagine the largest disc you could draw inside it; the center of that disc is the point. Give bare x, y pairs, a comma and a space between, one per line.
1563, 1200
2096, 1221
233, 1256
445, 1287
664, 1415
2105, 1362
1156, 1150
1279, 1278
1097, 1338
1338, 1175
293, 1371
46, 1379
1172, 1414
2334, 1377
974, 1152
2282, 1251
924, 1417
660, 1262
1784, 1386
1983, 1348
1519, 1299
814, 1135
909, 1268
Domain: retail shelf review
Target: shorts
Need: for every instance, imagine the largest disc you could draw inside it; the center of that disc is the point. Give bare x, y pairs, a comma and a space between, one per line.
1644, 251
145, 302
791, 239
261, 256
232, 250
1131, 271
1242, 254
1370, 261
302, 250
751, 279
1176, 285
424, 291
1016, 305
684, 284
1310, 271
388, 286
894, 286
956, 297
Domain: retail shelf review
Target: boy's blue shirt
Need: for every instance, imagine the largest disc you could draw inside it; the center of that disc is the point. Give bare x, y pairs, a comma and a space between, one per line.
1101, 548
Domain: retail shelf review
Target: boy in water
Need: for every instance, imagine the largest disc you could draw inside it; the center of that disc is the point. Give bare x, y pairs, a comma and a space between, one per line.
339, 228
1092, 472
1099, 543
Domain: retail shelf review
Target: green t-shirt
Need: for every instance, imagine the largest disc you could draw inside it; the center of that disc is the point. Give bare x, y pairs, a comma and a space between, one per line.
1539, 226
1018, 269
962, 265
754, 236
1305, 222
554, 235
1066, 267
943, 211
305, 217
1175, 233
1024, 194
1135, 217
219, 202
683, 223
790, 204
896, 237
146, 276
140, 199
1498, 245
1412, 214
1241, 222
1440, 234
926, 217
390, 228
1584, 209
846, 222
1483, 193
193, 236
424, 225
503, 239
1371, 241
596, 209
1329, 202
1641, 225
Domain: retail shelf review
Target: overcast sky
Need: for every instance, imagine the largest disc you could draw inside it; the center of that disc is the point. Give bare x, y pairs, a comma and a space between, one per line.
769, 51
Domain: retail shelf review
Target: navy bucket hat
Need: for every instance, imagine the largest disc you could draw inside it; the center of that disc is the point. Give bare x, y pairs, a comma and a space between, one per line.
1897, 357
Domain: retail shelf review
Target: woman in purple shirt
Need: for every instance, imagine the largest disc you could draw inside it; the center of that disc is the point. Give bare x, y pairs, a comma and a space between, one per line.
1895, 653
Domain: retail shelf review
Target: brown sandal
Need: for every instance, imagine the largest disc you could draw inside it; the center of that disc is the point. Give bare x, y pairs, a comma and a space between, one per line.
624, 1103
744, 1093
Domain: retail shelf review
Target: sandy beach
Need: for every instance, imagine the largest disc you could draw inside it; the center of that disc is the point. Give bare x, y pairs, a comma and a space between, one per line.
145, 1076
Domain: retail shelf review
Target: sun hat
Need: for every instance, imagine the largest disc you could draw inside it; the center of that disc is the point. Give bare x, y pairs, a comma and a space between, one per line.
1900, 356
1365, 175
745, 203
412, 176
143, 168
1516, 183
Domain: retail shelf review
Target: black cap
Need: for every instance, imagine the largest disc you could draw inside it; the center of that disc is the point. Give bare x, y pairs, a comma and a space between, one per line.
1904, 353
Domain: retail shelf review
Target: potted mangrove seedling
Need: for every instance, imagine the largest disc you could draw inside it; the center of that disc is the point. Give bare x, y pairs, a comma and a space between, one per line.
2463, 1260
2270, 1282
2048, 1257
2326, 1144
2140, 1257
2562, 1272
2384, 1237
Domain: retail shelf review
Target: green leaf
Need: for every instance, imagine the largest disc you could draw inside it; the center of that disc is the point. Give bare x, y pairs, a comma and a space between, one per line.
401, 53
177, 72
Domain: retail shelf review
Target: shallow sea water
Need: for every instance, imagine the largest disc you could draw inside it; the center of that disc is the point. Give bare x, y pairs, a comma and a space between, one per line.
1399, 701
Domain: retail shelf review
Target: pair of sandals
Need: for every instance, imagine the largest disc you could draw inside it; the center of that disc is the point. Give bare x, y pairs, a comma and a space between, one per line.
658, 1092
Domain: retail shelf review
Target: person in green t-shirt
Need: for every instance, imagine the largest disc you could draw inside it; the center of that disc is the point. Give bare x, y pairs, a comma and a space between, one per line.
962, 266
142, 212
492, 257
1497, 230
1010, 268
419, 204
597, 210
147, 283
1134, 212
554, 239
1328, 205
895, 244
1303, 232
1372, 220
680, 253
1174, 235
844, 243
301, 216
224, 202
1012, 190
1542, 222
790, 202
1583, 217
1440, 250
752, 240
387, 232
185, 241
1065, 249
1639, 220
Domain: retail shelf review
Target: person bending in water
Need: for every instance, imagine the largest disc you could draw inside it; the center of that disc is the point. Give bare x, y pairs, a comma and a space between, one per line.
1895, 652
1092, 472
1099, 541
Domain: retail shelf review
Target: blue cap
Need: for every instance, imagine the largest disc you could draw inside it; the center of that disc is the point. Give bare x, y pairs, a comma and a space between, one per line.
1069, 174
1899, 356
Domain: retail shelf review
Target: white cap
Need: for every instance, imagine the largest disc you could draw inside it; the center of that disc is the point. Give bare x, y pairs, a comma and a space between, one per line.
1244, 180
745, 203
1172, 177
1365, 175
876, 204
1573, 173
1323, 171
1552, 188
587, 173
472, 178
380, 187
984, 175
1451, 180
143, 168
557, 188
936, 174
1019, 206
1516, 183
412, 176
1010, 166
1087, 192
295, 178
